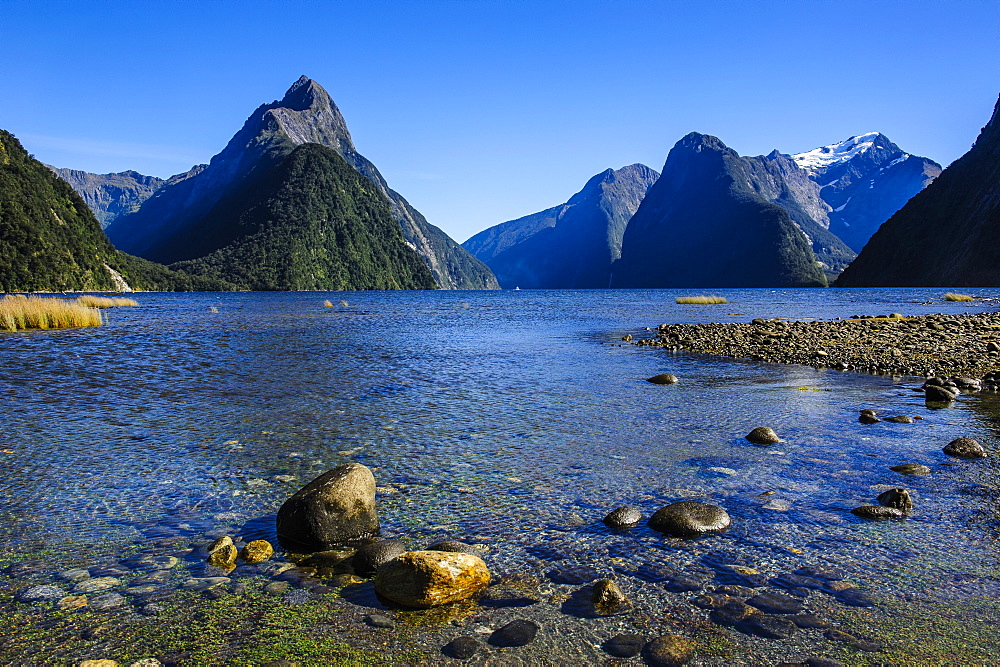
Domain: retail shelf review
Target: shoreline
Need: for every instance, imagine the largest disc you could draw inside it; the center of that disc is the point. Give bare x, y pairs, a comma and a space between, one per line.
927, 345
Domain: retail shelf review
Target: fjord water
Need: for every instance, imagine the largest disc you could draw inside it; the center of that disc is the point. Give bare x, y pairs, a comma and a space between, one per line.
515, 420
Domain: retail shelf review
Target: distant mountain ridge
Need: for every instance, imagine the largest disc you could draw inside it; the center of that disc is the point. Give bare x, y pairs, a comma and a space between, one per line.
947, 234
110, 195
162, 226
704, 224
570, 246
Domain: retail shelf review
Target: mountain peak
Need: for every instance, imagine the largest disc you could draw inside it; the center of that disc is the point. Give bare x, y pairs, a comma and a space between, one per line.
821, 159
305, 94
697, 141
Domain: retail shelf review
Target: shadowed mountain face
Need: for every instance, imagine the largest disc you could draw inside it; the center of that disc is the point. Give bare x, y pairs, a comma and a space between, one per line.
162, 227
703, 224
110, 195
571, 246
51, 241
946, 235
864, 180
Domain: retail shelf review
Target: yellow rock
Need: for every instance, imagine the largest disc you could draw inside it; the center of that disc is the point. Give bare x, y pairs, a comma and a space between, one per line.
72, 602
97, 663
219, 543
424, 579
257, 551
224, 557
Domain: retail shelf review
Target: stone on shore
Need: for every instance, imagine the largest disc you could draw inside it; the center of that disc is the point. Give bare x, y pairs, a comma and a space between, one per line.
623, 517
608, 597
224, 557
424, 579
689, 518
763, 435
455, 546
257, 551
337, 507
868, 417
911, 469
461, 648
965, 448
515, 633
897, 498
936, 394
370, 557
624, 646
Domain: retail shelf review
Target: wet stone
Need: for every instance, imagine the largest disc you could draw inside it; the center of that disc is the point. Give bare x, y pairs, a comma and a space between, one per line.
839, 636
461, 648
107, 601
668, 651
40, 594
74, 576
688, 518
297, 596
776, 603
911, 469
732, 613
897, 498
820, 572
72, 602
767, 626
624, 646
763, 435
663, 378
809, 621
790, 581
823, 662
573, 575
152, 609
515, 633
900, 419
277, 587
710, 601
854, 598
623, 518
379, 621
878, 513
454, 546
965, 448
370, 557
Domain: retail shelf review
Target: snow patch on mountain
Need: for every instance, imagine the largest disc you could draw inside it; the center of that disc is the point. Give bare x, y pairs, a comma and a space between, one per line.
820, 159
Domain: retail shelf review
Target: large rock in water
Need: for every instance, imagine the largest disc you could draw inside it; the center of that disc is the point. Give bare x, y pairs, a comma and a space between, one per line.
688, 518
336, 508
423, 579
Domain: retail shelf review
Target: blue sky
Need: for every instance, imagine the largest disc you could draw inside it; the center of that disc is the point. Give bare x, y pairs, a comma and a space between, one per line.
479, 112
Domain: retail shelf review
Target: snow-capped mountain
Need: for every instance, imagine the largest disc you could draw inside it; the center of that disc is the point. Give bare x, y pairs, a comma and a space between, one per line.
864, 180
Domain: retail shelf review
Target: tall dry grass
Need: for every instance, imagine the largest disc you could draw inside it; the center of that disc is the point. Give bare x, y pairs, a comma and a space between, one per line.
952, 296
106, 302
18, 313
702, 299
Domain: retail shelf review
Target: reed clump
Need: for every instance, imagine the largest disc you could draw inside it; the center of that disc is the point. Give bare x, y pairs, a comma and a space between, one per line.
702, 299
328, 304
106, 301
18, 313
952, 296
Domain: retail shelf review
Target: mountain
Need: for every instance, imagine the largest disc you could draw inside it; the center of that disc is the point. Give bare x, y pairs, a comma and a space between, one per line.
570, 246
110, 195
310, 223
864, 180
306, 114
703, 224
946, 235
51, 241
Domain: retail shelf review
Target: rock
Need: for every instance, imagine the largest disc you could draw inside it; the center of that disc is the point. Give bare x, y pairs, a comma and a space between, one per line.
936, 394
662, 378
72, 602
608, 597
224, 557
878, 513
809, 621
732, 613
854, 598
423, 579
379, 621
911, 469
455, 547
900, 419
152, 609
763, 435
146, 662
370, 557
965, 448
898, 498
624, 646
97, 663
277, 588
710, 601
205, 583
668, 651
688, 518
75, 575
461, 648
295, 596
335, 508
223, 541
623, 517
515, 633
769, 627
776, 603
257, 551
822, 662
868, 417
96, 584
580, 574
107, 601
40, 594
627, 338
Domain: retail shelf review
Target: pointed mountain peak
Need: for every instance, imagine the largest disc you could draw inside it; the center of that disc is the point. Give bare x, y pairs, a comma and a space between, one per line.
820, 160
305, 94
697, 141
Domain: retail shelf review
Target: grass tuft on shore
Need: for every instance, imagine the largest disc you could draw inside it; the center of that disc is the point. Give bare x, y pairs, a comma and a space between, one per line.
703, 300
18, 313
952, 296
106, 301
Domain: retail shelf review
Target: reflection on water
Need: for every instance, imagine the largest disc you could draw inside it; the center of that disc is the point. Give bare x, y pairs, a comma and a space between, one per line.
510, 419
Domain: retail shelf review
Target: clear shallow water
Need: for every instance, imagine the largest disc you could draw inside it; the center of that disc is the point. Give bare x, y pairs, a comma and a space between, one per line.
511, 419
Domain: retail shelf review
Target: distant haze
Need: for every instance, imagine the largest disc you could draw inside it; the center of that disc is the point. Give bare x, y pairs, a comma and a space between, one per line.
480, 112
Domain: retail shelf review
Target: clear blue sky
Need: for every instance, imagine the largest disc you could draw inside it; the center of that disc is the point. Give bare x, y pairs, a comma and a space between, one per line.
479, 112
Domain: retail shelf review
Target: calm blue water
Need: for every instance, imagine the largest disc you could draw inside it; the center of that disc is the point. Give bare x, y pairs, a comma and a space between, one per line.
510, 419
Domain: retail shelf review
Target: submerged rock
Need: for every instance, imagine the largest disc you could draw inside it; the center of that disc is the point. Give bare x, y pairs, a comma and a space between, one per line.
763, 435
370, 557
424, 579
965, 448
900, 419
257, 551
623, 517
335, 508
662, 378
608, 597
868, 417
461, 648
936, 394
454, 546
911, 469
224, 557
40, 594
624, 646
878, 513
515, 633
688, 518
668, 651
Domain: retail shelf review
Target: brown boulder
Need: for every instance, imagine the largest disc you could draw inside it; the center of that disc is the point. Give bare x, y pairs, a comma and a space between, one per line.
423, 579
336, 508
